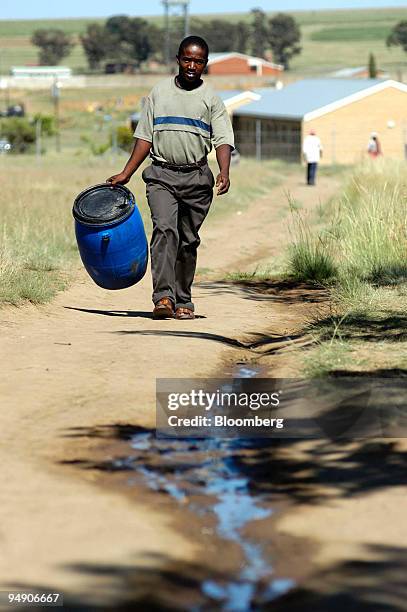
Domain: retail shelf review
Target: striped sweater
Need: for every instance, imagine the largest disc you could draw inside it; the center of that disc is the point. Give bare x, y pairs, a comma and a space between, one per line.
183, 125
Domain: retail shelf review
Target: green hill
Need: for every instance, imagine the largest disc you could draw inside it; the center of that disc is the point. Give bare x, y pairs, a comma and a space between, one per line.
326, 38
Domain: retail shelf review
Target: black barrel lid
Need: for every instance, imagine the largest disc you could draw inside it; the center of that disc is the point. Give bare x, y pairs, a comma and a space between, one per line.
103, 204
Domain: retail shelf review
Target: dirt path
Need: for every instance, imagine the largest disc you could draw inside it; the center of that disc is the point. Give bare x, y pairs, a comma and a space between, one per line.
89, 360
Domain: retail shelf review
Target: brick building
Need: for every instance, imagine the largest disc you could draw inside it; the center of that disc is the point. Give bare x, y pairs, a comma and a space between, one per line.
343, 112
239, 63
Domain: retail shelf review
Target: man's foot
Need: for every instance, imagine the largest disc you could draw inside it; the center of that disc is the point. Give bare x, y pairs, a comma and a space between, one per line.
163, 309
184, 313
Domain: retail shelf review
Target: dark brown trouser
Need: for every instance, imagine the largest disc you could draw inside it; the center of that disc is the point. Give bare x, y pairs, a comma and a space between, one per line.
179, 202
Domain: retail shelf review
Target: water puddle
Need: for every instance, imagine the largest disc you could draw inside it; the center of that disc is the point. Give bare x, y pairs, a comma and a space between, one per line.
205, 476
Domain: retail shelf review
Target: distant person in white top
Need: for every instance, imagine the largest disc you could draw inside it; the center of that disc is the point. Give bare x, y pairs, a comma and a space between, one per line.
312, 151
374, 148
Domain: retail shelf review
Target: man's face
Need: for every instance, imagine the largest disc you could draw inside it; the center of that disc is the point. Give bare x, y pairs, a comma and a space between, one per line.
191, 62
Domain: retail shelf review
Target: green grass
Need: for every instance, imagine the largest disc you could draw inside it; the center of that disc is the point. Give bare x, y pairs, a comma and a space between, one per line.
327, 357
356, 34
250, 180
361, 237
311, 254
25, 27
349, 16
366, 331
364, 233
258, 274
38, 253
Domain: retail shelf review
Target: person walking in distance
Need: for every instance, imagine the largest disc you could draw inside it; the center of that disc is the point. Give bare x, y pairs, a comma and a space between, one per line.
181, 120
312, 151
374, 148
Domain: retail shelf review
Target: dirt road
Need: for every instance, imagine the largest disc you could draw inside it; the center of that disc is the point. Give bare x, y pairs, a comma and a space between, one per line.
89, 360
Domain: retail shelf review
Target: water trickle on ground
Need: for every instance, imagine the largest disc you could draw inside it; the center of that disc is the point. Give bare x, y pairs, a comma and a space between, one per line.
204, 476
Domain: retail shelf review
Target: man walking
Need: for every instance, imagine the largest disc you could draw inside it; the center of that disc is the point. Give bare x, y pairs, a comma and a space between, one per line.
312, 151
181, 119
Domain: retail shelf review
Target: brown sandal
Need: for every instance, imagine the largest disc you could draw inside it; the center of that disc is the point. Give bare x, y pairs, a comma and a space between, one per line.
184, 313
163, 309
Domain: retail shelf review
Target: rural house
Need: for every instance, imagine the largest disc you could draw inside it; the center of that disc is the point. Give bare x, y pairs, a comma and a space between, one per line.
235, 98
239, 63
342, 111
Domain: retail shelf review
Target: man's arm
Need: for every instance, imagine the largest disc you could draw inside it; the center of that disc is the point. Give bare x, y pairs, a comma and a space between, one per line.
140, 151
223, 141
223, 155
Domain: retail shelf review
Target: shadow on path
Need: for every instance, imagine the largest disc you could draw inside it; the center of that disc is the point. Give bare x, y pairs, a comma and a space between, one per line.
114, 313
141, 314
363, 327
168, 585
357, 585
275, 471
287, 291
263, 340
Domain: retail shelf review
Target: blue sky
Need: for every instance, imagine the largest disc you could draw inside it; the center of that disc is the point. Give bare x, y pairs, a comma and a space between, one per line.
38, 9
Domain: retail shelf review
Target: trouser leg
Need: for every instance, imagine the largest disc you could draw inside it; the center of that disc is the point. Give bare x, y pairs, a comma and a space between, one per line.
312, 173
189, 221
191, 214
164, 240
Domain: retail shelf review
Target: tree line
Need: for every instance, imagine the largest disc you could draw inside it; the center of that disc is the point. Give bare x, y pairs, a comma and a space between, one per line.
130, 41
133, 40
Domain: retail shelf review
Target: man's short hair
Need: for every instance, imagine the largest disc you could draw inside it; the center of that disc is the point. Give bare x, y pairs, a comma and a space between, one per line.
193, 40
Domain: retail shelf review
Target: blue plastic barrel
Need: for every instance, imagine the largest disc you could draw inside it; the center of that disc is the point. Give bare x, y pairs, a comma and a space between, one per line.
110, 235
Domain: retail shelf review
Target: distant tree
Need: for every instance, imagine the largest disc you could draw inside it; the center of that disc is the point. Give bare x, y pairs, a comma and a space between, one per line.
259, 32
96, 44
155, 37
142, 38
242, 36
398, 36
119, 25
372, 67
54, 45
219, 34
284, 36
130, 39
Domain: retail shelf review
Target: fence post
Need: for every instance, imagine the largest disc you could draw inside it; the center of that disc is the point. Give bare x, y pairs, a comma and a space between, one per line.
258, 139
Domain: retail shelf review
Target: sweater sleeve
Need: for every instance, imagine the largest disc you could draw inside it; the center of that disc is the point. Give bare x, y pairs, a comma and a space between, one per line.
144, 129
222, 131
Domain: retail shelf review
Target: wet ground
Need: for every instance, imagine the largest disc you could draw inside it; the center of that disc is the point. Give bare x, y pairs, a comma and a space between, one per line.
212, 482
204, 476
224, 495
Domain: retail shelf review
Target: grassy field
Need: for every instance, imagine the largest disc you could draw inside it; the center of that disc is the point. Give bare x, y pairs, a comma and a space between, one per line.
356, 247
326, 37
354, 34
38, 253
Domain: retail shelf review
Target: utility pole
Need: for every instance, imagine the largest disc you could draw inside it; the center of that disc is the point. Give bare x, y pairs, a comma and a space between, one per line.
167, 33
186, 19
55, 96
184, 5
